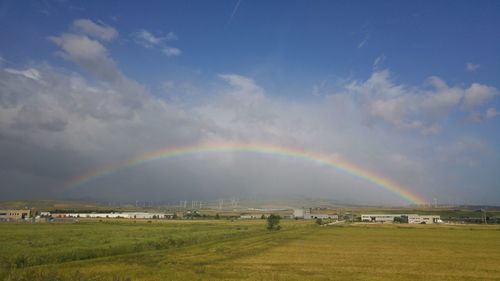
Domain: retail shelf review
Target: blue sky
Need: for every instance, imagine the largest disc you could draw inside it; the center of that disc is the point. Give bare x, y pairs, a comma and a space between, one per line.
283, 41
386, 61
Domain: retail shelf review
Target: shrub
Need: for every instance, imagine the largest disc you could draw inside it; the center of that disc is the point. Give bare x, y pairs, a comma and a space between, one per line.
273, 222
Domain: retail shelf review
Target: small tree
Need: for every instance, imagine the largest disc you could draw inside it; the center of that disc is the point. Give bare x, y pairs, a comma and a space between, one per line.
263, 217
319, 221
217, 216
273, 222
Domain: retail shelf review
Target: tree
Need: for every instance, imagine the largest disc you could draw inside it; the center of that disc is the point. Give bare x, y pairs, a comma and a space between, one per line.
217, 216
263, 217
273, 222
319, 221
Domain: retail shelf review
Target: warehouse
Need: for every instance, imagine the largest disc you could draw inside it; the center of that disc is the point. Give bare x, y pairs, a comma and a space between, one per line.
308, 215
381, 217
426, 219
125, 215
403, 218
12, 215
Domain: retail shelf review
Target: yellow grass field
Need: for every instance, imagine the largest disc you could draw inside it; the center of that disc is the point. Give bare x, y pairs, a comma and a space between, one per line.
245, 250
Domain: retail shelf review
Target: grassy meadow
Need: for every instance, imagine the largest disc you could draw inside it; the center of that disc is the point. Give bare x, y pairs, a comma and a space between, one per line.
244, 250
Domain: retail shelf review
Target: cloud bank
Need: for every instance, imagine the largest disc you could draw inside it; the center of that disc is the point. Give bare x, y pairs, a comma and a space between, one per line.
56, 124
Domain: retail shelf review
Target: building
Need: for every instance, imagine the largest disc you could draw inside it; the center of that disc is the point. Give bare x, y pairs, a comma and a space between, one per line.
307, 215
426, 219
250, 216
44, 214
403, 218
298, 213
381, 217
324, 216
12, 215
119, 215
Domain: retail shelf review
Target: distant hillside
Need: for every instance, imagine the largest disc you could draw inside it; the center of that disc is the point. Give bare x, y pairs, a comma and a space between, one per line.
51, 205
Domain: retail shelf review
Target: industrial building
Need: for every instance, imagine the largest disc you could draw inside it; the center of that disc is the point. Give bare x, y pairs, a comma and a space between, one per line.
380, 217
403, 218
250, 216
298, 213
426, 219
307, 215
12, 215
124, 215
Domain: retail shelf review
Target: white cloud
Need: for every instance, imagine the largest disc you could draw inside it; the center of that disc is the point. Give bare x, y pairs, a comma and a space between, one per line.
475, 117
440, 100
472, 67
85, 120
242, 85
478, 94
171, 52
363, 42
146, 38
74, 124
235, 9
379, 61
491, 113
420, 108
99, 31
149, 40
87, 53
30, 73
463, 151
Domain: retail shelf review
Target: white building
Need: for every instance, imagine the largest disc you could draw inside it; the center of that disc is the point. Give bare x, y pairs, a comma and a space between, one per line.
44, 214
309, 216
324, 216
125, 215
250, 216
425, 219
404, 218
381, 217
298, 213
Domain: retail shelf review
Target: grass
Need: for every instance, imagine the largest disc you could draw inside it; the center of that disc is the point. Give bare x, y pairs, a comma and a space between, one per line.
121, 250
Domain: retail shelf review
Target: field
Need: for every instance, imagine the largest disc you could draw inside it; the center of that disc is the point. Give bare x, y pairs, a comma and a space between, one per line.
244, 250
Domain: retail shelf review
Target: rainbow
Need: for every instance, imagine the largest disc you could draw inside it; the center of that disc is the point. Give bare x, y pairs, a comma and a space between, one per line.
269, 149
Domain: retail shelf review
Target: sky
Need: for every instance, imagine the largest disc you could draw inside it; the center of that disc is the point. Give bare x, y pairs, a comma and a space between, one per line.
408, 91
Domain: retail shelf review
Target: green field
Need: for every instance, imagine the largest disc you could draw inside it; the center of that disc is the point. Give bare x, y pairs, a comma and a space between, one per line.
245, 250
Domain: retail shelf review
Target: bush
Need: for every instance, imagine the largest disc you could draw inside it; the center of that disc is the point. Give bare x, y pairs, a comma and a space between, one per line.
273, 222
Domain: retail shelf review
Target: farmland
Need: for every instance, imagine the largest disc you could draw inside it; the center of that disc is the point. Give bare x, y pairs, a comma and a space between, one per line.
245, 250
